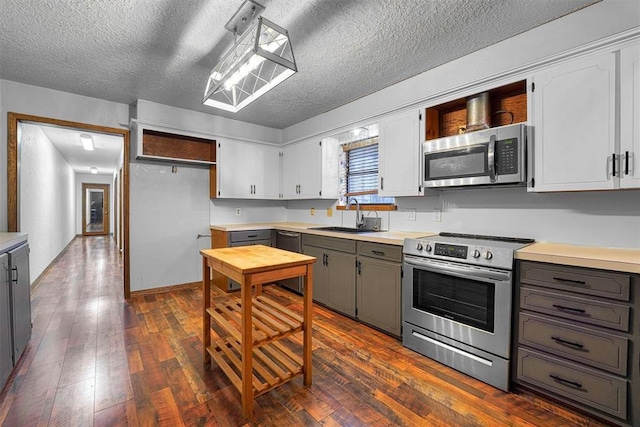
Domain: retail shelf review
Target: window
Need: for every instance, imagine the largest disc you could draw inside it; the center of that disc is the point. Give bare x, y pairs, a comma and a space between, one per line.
359, 167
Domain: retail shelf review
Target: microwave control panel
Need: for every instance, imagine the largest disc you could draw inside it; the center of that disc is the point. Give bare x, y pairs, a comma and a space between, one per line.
507, 156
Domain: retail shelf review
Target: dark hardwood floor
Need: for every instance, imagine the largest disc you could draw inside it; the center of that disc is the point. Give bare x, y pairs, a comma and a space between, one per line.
96, 359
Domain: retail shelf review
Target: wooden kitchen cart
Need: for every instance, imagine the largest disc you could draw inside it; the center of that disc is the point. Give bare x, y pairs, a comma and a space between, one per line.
253, 355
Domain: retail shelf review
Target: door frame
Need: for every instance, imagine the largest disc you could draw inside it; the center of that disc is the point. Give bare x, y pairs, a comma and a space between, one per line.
13, 120
105, 204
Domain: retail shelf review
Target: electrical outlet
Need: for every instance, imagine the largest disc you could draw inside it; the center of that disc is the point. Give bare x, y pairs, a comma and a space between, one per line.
237, 211
313, 211
410, 215
329, 212
437, 215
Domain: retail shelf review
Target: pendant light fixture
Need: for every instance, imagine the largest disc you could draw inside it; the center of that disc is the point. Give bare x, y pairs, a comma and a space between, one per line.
260, 59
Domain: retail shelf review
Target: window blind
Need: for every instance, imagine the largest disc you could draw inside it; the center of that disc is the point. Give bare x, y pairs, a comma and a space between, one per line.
362, 169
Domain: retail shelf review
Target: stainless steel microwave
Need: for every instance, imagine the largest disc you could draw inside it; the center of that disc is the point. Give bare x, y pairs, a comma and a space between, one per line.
493, 156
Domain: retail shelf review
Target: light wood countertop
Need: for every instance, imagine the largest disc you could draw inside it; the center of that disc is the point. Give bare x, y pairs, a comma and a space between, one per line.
625, 260
385, 237
615, 259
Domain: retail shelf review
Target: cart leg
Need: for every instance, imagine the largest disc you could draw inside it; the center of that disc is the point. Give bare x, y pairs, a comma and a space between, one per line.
307, 316
206, 322
247, 347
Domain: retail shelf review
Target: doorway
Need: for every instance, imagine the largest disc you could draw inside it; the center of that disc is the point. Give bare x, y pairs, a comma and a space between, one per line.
95, 209
13, 176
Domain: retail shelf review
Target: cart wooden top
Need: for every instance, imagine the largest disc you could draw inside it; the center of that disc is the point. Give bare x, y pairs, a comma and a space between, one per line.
254, 259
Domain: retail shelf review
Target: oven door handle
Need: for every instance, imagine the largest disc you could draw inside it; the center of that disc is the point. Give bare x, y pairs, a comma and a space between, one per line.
460, 271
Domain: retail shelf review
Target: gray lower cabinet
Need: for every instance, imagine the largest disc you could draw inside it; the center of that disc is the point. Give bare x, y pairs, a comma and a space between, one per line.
379, 286
6, 351
577, 338
15, 305
359, 279
334, 273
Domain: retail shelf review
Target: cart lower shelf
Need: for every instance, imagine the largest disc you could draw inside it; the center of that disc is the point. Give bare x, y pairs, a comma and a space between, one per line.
273, 364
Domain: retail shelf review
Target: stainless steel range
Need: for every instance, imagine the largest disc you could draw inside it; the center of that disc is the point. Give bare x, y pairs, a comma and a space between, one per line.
457, 302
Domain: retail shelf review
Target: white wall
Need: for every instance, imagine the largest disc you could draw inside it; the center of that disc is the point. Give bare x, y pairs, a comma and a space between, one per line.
223, 211
47, 198
38, 101
168, 210
94, 179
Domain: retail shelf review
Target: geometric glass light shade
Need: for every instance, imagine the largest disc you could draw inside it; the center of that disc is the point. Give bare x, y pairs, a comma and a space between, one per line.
260, 59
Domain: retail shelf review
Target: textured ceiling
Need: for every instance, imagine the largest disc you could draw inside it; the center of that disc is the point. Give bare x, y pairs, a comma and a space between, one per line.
163, 50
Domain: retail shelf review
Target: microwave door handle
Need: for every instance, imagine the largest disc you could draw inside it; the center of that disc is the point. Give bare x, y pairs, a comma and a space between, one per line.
491, 158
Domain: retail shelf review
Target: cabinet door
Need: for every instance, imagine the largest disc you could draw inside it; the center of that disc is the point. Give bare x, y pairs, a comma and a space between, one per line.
235, 169
574, 125
379, 294
320, 276
630, 117
6, 350
399, 155
20, 299
310, 166
265, 172
290, 171
342, 282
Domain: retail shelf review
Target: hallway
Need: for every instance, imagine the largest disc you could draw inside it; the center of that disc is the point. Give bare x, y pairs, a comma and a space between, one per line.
95, 359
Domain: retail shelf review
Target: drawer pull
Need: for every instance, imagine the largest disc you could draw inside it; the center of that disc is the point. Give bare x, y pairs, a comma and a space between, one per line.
562, 307
567, 382
572, 344
252, 235
378, 253
575, 282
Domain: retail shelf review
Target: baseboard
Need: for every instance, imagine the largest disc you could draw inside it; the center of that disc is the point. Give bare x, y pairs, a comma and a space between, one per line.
164, 289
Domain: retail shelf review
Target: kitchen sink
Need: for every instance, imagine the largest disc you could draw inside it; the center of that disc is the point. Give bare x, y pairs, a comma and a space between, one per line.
345, 229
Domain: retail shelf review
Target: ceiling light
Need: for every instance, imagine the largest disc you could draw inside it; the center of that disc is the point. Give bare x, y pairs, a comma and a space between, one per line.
87, 142
94, 170
260, 59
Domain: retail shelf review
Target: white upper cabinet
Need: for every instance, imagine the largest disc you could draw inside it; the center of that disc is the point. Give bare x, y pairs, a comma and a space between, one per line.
247, 170
399, 155
574, 123
310, 170
302, 170
630, 117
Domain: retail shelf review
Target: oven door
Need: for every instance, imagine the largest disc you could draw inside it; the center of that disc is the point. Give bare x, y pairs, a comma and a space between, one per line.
462, 302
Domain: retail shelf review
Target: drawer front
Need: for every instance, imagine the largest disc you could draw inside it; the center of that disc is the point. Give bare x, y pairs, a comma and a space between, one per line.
595, 312
251, 243
380, 251
342, 245
584, 281
242, 236
589, 387
593, 348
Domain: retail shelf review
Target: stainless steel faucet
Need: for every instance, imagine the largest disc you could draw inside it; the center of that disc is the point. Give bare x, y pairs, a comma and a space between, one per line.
359, 219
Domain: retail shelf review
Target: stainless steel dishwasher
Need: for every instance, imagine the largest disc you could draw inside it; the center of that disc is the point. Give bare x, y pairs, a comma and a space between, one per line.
289, 241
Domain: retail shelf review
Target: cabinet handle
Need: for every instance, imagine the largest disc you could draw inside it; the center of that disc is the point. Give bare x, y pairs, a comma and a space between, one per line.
572, 344
562, 307
613, 167
562, 380
326, 260
381, 183
575, 282
378, 253
16, 270
626, 163
359, 265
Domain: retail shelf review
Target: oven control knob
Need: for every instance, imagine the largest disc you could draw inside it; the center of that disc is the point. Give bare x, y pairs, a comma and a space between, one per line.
488, 255
419, 246
476, 254
427, 248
